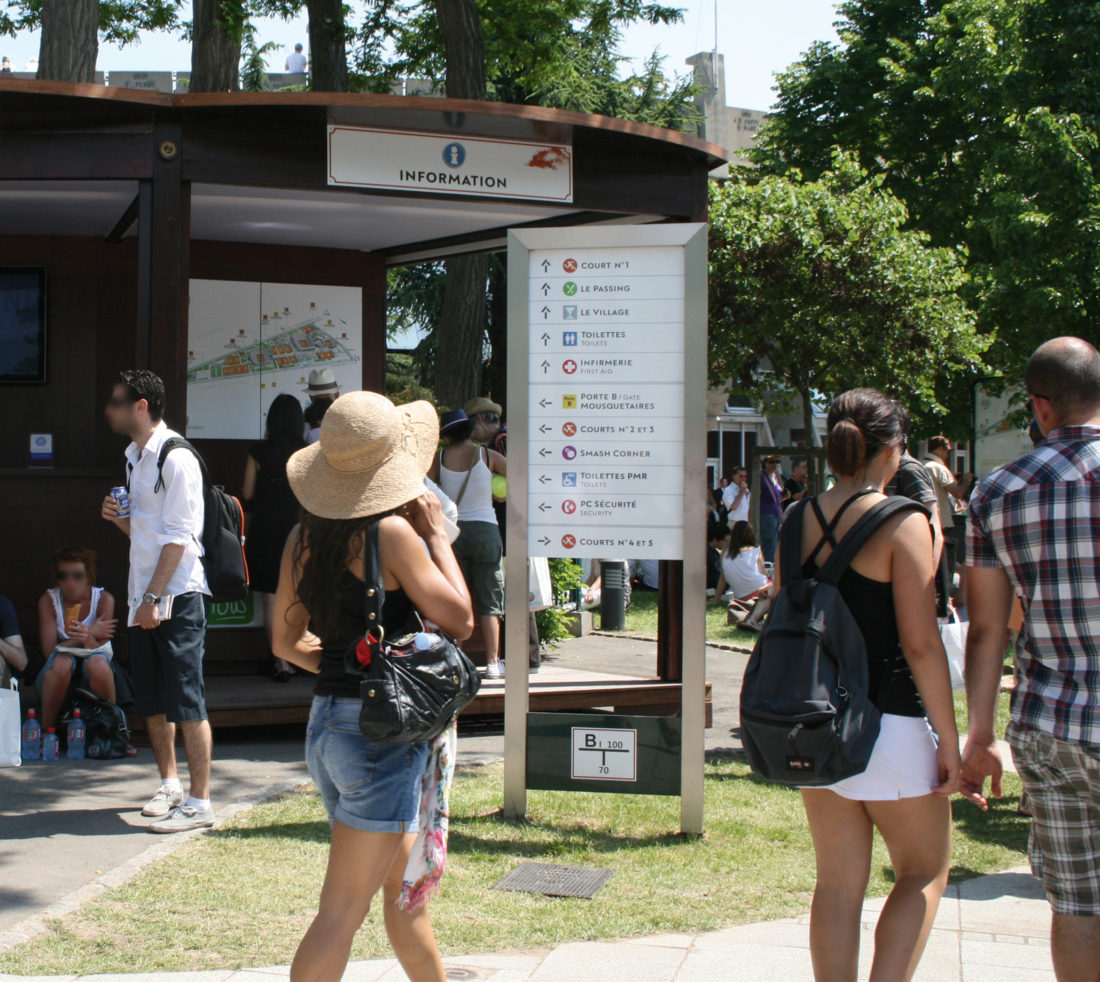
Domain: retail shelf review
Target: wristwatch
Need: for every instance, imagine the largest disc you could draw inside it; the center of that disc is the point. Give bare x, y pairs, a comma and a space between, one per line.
150, 600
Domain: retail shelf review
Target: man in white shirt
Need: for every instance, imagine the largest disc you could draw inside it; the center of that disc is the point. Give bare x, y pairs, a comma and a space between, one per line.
296, 61
165, 528
936, 463
736, 496
323, 391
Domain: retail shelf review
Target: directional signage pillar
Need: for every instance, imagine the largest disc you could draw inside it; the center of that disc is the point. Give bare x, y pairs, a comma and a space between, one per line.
607, 382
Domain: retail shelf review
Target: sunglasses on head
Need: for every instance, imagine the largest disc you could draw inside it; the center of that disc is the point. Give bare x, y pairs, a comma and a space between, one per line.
71, 574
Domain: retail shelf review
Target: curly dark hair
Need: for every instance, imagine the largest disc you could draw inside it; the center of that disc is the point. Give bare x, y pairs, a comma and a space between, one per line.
143, 384
329, 546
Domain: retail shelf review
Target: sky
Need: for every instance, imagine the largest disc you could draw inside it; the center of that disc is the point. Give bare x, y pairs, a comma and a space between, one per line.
757, 38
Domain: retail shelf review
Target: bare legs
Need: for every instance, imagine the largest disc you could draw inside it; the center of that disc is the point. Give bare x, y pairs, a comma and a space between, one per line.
1075, 946
490, 633
917, 832
55, 683
197, 743
360, 863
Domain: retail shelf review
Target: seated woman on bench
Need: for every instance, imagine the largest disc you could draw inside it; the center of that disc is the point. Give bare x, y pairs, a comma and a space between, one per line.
749, 587
75, 617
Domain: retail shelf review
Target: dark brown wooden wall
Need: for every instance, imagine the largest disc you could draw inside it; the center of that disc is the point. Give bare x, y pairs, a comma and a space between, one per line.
91, 317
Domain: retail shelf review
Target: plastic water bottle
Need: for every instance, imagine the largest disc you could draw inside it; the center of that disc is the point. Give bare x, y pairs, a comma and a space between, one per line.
77, 734
423, 641
51, 745
32, 737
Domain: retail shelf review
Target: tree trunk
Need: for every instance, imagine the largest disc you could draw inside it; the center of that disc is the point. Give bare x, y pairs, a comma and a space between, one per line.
464, 41
808, 417
215, 49
461, 331
463, 320
328, 52
70, 40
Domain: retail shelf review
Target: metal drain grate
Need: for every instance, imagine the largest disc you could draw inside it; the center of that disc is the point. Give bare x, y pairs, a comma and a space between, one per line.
554, 880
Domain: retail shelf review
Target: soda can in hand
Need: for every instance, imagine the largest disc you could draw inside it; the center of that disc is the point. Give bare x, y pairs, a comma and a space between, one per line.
122, 497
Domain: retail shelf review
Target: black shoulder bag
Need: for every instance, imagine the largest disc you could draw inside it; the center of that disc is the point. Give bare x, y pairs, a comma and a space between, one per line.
409, 694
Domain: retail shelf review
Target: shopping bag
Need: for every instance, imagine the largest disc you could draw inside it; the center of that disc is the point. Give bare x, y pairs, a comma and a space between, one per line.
540, 594
953, 633
10, 726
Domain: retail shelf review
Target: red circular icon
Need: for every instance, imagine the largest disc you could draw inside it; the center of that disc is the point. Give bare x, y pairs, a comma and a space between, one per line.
568, 541
568, 506
570, 265
569, 366
569, 429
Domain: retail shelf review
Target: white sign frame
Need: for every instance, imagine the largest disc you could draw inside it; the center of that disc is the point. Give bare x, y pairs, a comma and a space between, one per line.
608, 740
691, 399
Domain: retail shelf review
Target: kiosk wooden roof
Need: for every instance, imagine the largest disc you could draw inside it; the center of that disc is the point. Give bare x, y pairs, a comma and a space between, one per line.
124, 195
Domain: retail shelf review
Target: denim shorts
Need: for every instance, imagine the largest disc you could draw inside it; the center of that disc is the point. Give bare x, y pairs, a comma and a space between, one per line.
79, 669
372, 787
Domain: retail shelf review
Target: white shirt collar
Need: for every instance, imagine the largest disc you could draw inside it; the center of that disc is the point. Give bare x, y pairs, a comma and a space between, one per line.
153, 445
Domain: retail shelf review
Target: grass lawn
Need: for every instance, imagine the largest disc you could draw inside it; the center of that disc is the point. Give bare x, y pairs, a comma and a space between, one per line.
243, 895
641, 618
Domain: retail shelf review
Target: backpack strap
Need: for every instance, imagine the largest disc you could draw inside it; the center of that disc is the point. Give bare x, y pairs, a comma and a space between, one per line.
828, 528
165, 449
790, 542
859, 534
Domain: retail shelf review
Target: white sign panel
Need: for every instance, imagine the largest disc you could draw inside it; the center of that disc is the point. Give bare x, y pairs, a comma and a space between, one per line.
250, 342
606, 402
399, 160
604, 754
997, 441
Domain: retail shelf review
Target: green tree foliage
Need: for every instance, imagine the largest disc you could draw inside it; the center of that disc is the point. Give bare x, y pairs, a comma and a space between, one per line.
819, 286
983, 118
120, 21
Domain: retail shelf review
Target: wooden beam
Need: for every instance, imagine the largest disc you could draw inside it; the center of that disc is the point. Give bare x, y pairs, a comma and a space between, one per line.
125, 221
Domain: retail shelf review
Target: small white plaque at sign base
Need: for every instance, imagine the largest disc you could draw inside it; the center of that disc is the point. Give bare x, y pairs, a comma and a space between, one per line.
604, 754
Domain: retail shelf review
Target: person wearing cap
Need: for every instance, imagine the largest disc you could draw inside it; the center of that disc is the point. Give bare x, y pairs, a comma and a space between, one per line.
465, 472
386, 802
489, 431
323, 390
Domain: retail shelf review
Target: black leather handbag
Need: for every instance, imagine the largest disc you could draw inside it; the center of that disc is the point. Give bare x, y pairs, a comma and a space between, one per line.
409, 694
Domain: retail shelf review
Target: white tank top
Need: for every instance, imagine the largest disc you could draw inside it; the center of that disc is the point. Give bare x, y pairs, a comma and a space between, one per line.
59, 610
477, 500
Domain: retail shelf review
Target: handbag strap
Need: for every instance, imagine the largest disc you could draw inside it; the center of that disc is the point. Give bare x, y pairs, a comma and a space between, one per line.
372, 576
466, 480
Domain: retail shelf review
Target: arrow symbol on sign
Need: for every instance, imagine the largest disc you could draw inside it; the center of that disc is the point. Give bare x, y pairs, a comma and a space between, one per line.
545, 366
545, 479
545, 339
545, 312
544, 403
545, 288
544, 452
544, 507
545, 265
545, 428
544, 541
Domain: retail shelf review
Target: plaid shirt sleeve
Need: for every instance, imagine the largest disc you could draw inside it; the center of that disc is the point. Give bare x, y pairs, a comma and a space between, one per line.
980, 551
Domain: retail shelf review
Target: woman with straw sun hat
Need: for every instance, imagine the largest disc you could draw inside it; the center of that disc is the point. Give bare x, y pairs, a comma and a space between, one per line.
386, 802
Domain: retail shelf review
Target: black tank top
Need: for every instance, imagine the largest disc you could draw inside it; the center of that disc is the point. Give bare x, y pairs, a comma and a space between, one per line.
333, 680
892, 689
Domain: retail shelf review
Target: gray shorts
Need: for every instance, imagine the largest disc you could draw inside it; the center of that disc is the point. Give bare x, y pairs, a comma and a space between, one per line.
478, 550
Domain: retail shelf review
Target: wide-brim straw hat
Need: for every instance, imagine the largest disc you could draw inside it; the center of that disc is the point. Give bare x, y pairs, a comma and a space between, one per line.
372, 457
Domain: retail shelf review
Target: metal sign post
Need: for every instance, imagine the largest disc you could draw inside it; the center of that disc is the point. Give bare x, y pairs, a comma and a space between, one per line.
607, 460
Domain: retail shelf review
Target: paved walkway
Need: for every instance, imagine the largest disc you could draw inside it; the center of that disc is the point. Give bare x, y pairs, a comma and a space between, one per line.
990, 929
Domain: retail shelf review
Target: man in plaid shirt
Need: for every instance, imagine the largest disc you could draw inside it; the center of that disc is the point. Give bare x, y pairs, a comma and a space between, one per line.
1034, 530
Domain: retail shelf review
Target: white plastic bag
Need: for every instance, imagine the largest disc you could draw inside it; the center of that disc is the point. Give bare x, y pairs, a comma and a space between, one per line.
540, 593
10, 725
953, 633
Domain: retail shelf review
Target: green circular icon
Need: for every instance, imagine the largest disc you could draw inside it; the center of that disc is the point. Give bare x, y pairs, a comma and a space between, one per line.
569, 288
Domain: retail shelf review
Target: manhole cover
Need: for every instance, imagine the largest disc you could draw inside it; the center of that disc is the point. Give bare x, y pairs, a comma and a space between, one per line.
554, 880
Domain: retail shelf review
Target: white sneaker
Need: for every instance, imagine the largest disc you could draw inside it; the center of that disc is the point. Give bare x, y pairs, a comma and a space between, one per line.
162, 802
183, 819
495, 670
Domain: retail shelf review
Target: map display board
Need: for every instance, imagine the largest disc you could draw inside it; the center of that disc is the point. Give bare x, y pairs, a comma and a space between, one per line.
605, 430
250, 342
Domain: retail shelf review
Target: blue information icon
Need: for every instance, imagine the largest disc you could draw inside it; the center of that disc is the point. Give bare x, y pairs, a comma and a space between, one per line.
454, 155
569, 479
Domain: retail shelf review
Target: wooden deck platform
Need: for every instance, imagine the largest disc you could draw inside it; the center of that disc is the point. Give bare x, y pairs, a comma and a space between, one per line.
255, 700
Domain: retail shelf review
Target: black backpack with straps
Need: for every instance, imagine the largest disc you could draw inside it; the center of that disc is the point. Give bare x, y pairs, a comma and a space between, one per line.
223, 556
806, 715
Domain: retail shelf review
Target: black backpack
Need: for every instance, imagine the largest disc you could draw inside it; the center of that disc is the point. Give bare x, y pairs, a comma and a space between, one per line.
107, 731
223, 556
806, 716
